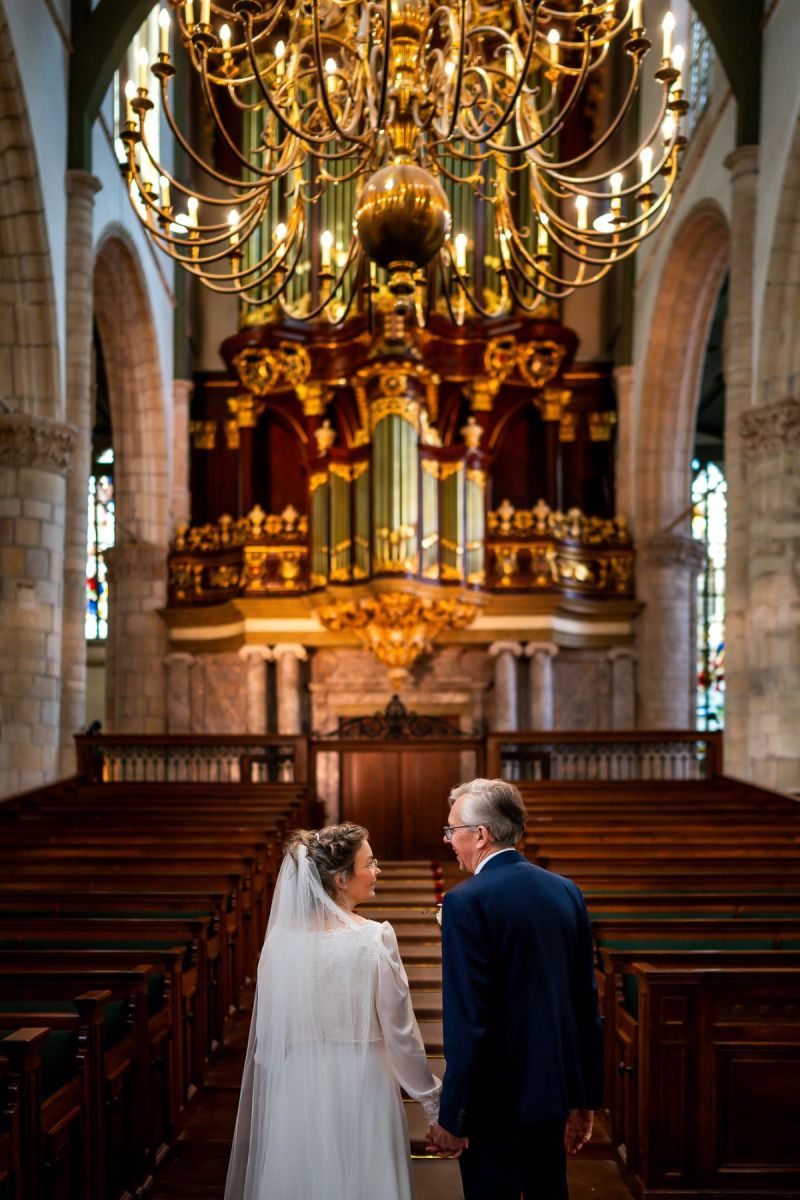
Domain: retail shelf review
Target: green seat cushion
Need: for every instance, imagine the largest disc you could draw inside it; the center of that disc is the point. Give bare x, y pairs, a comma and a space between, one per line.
115, 1023
630, 995
59, 1059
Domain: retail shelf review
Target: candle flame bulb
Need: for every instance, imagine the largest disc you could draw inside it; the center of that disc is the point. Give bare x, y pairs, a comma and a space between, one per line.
280, 232
616, 183
678, 59
233, 222
163, 25
582, 204
646, 160
668, 129
143, 61
130, 92
668, 28
164, 191
225, 38
461, 251
325, 243
553, 38
330, 74
192, 204
541, 235
280, 56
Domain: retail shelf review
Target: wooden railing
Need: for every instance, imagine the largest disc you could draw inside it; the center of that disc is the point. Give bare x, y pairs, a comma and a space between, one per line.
201, 758
672, 755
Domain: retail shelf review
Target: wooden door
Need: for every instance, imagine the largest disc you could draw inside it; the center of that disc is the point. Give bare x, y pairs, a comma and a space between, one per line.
400, 795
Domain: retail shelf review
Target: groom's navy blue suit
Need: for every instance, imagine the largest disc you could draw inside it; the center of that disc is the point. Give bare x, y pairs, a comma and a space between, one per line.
522, 1035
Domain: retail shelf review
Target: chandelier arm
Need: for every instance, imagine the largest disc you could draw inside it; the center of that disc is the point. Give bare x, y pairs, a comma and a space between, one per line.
321, 82
559, 121
554, 168
195, 157
308, 139
612, 128
505, 116
621, 249
236, 277
352, 252
470, 296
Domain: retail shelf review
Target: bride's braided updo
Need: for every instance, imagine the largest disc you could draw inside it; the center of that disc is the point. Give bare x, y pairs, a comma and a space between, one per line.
332, 850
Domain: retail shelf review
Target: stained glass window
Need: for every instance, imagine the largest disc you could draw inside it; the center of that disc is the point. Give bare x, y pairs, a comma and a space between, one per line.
701, 70
100, 539
709, 525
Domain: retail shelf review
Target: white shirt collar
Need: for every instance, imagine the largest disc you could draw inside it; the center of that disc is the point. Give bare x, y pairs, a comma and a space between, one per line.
494, 853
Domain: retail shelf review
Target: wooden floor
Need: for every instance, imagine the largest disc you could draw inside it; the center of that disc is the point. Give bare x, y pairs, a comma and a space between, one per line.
196, 1168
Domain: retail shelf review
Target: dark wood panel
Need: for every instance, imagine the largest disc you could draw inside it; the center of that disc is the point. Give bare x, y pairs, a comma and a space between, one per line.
427, 779
371, 797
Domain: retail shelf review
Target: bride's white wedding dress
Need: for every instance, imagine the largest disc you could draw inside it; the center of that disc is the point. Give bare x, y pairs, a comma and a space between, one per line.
333, 1039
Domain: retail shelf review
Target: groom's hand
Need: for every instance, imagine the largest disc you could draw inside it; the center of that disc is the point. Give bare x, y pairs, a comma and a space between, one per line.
578, 1129
445, 1144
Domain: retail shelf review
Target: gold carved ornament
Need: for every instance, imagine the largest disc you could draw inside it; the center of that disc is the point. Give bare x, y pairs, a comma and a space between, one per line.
396, 627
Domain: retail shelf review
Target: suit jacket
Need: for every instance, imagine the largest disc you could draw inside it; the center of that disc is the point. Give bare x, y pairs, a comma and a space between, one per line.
522, 1033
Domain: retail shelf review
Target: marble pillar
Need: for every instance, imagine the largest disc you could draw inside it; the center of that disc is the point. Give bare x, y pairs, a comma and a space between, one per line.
622, 661
81, 188
667, 570
35, 456
506, 689
138, 586
255, 659
739, 391
288, 657
541, 684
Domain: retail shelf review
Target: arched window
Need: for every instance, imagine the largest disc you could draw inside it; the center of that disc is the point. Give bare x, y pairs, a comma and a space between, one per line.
710, 526
701, 70
100, 528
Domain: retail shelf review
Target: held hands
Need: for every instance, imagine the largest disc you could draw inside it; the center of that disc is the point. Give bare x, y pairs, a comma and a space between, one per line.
578, 1129
445, 1144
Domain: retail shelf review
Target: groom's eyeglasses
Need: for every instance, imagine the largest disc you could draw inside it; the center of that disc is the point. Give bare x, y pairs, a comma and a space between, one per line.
449, 830
372, 864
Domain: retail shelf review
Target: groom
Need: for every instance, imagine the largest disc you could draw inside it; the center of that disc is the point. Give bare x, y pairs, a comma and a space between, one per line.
522, 1035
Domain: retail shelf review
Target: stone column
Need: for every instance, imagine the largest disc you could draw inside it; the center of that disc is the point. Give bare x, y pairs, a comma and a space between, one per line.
668, 567
35, 457
255, 659
769, 444
622, 662
138, 590
288, 657
541, 685
81, 188
739, 388
179, 692
506, 691
181, 498
626, 440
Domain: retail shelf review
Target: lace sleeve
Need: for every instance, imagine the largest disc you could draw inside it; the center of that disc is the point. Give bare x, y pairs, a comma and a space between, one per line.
400, 1030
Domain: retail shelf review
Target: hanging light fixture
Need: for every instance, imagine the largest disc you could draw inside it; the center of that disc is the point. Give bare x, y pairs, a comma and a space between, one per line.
406, 107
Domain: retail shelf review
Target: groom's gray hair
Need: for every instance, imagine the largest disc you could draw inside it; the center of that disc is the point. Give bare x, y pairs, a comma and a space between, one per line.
496, 805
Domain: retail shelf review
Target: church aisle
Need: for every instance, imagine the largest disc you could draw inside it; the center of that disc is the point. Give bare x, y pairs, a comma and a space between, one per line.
407, 896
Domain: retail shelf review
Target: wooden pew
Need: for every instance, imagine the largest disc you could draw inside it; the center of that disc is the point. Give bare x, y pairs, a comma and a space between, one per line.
10, 1178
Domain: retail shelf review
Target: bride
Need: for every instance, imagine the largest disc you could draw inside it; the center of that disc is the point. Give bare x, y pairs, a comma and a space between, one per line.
333, 1038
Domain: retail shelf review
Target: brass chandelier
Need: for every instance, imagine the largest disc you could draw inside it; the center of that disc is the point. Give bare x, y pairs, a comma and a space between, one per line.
387, 113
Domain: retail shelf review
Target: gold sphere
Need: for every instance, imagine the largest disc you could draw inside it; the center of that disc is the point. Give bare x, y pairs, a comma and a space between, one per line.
402, 216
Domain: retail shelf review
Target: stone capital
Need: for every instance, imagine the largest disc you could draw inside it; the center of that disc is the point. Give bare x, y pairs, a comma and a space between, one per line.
673, 550
82, 184
498, 648
621, 652
742, 161
252, 651
534, 648
289, 649
137, 560
36, 442
771, 428
178, 658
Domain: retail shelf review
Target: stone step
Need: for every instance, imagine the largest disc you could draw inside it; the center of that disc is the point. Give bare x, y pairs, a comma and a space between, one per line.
423, 914
421, 952
427, 1003
394, 898
432, 1037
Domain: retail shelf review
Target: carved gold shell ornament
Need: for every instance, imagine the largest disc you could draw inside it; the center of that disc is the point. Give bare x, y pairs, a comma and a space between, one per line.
397, 627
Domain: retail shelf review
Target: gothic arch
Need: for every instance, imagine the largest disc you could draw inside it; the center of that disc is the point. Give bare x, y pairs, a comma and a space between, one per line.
690, 284
779, 364
28, 334
136, 390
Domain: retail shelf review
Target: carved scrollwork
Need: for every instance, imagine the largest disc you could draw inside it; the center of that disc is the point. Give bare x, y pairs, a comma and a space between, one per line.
35, 442
770, 428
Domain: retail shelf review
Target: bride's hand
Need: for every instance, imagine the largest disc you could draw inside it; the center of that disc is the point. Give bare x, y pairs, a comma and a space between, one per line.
445, 1144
